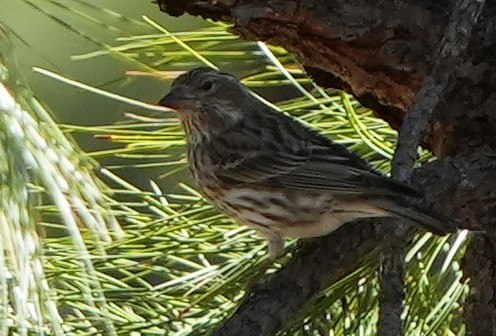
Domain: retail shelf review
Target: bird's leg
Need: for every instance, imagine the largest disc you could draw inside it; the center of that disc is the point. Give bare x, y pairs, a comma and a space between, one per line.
275, 245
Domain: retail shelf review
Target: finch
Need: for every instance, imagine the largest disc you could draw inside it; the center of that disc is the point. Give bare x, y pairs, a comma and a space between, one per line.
272, 173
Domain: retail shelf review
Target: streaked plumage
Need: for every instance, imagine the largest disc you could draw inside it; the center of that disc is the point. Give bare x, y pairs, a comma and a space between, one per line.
270, 172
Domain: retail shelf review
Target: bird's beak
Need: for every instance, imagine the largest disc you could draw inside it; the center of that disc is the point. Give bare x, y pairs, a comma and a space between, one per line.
176, 99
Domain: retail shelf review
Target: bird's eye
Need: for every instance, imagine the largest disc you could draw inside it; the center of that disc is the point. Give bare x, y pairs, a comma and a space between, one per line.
207, 86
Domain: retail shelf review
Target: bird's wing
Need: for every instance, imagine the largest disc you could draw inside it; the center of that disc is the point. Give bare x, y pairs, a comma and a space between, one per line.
259, 166
310, 168
340, 175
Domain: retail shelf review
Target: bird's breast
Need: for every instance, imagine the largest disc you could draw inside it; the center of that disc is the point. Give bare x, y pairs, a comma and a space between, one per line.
288, 212
272, 208
201, 169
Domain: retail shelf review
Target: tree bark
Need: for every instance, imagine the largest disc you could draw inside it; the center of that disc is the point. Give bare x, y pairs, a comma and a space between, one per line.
382, 52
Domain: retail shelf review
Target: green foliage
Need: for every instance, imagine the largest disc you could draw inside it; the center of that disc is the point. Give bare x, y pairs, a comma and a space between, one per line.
179, 267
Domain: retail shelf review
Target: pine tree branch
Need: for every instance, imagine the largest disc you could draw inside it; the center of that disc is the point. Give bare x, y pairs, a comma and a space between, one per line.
315, 266
447, 61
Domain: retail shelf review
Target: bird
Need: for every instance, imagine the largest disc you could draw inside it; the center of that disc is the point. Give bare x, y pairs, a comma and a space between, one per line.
269, 171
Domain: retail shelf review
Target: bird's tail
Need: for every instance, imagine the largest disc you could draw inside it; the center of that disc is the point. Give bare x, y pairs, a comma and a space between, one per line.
429, 219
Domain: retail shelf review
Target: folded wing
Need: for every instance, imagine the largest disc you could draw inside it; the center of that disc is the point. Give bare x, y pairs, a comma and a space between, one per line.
310, 168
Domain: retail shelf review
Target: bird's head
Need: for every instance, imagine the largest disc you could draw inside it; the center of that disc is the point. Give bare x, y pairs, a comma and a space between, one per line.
208, 101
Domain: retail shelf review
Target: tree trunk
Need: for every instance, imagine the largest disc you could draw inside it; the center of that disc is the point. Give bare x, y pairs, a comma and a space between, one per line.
381, 52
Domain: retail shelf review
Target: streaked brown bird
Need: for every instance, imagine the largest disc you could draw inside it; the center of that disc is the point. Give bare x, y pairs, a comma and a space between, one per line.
272, 173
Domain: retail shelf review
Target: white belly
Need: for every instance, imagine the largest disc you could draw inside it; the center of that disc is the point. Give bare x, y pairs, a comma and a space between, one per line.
295, 215
326, 225
341, 213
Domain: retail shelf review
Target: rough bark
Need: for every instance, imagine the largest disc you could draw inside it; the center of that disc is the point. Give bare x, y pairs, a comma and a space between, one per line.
382, 51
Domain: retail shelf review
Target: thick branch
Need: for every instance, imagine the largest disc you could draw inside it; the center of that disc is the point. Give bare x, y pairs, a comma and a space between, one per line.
318, 264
